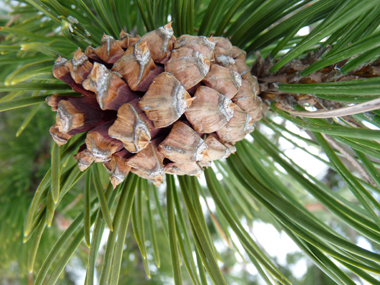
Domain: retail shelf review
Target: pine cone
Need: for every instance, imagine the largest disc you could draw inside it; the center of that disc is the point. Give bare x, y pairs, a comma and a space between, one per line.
156, 104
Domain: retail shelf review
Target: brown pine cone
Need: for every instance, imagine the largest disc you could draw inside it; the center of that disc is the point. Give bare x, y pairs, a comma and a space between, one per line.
156, 104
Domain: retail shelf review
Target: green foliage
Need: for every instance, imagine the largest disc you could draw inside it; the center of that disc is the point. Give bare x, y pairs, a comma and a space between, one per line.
21, 170
171, 234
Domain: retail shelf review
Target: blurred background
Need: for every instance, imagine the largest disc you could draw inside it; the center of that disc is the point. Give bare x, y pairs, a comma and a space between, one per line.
25, 158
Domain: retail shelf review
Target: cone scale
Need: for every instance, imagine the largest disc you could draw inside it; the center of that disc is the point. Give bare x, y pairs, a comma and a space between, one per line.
156, 104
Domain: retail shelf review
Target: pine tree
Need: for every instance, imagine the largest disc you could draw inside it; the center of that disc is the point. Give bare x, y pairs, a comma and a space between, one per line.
324, 82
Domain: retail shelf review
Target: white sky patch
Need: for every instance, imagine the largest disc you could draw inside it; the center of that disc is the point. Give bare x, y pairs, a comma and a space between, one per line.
294, 129
363, 243
236, 240
312, 165
266, 131
363, 282
76, 270
279, 167
249, 138
251, 269
303, 31
324, 39
285, 144
314, 150
238, 257
295, 140
202, 179
277, 244
299, 269
203, 205
277, 120
311, 108
369, 125
211, 204
6, 7
103, 242
220, 246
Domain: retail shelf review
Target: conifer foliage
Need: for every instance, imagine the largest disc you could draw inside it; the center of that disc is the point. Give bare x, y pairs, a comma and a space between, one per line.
143, 107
